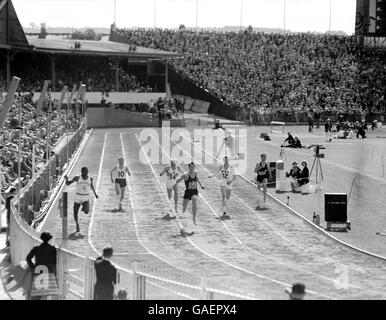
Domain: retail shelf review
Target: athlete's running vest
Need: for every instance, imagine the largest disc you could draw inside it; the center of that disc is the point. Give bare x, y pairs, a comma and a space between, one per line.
191, 183
83, 187
226, 174
262, 171
120, 173
172, 174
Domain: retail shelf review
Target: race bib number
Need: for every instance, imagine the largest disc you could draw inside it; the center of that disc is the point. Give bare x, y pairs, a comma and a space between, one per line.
121, 174
192, 185
173, 175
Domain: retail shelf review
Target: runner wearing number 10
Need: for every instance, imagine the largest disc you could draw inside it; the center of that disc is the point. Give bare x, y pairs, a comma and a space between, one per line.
119, 172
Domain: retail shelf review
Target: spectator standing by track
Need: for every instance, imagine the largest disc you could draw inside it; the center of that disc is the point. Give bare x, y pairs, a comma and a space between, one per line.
106, 275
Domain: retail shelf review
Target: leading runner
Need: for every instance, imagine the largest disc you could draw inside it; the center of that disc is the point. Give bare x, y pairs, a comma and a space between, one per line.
172, 172
227, 178
84, 184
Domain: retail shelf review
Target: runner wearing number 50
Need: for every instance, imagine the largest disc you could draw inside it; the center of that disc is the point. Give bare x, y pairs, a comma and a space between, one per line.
227, 178
118, 176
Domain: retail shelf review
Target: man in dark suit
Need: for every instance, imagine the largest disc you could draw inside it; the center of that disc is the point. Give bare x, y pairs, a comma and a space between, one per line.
106, 275
45, 261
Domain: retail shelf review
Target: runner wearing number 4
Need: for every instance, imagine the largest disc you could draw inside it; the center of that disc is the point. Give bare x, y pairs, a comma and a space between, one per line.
119, 172
227, 178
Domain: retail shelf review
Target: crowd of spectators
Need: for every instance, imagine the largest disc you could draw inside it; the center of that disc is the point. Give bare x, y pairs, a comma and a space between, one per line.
167, 108
270, 73
98, 74
33, 132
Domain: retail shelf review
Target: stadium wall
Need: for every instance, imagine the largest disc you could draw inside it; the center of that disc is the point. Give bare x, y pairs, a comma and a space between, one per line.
115, 118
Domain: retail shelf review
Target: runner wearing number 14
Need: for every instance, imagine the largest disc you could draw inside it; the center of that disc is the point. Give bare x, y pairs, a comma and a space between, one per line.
120, 172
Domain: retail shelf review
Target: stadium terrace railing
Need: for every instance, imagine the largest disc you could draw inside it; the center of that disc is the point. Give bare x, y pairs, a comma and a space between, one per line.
36, 195
76, 272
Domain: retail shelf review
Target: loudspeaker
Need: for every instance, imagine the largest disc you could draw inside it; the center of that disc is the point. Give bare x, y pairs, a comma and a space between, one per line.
335, 207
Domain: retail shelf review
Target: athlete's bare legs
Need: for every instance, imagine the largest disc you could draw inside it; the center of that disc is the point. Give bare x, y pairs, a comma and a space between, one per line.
194, 208
184, 205
175, 189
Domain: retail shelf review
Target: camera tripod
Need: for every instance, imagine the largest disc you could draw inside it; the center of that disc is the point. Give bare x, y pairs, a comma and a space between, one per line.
318, 168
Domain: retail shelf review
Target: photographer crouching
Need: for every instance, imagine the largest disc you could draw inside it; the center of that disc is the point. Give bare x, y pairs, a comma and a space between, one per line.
292, 142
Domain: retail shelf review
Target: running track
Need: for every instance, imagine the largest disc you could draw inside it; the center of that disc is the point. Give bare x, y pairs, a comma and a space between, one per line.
257, 252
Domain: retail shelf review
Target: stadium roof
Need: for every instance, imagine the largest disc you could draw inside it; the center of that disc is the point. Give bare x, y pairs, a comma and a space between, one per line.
12, 37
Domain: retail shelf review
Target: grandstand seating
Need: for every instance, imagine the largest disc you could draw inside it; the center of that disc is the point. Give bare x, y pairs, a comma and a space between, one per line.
270, 73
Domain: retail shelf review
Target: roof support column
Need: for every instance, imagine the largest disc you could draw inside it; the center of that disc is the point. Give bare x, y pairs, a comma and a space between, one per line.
8, 72
117, 75
166, 77
53, 74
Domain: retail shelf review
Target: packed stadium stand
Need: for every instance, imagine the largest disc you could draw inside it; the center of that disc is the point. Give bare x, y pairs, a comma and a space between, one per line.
276, 73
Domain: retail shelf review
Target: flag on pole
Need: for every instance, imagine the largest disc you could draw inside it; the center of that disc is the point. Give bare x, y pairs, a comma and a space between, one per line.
78, 96
69, 99
82, 92
42, 97
168, 91
33, 161
8, 100
64, 92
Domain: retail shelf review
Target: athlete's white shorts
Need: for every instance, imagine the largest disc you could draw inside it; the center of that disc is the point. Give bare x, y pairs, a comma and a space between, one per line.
79, 198
224, 184
170, 184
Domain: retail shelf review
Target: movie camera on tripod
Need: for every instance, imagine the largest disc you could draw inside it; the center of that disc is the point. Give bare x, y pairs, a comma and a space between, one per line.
317, 158
317, 151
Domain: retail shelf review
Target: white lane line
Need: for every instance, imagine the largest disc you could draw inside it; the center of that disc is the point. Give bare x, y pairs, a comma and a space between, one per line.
245, 245
97, 191
306, 220
250, 209
253, 250
170, 290
170, 204
286, 285
130, 253
95, 200
135, 219
67, 172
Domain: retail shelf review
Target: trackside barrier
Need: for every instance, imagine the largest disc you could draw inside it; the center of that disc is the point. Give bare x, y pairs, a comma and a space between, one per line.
36, 195
282, 124
76, 272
